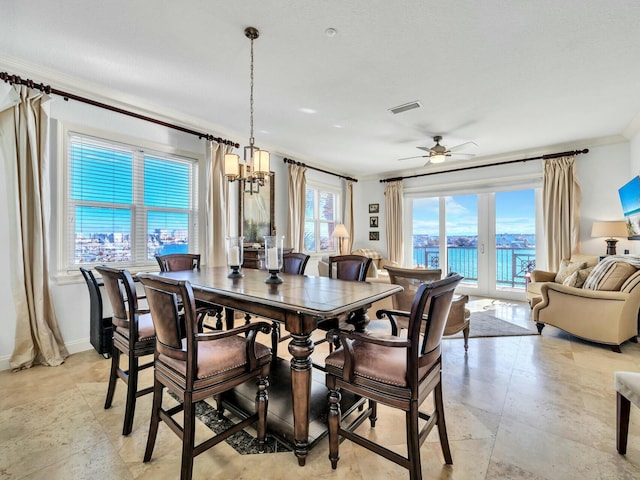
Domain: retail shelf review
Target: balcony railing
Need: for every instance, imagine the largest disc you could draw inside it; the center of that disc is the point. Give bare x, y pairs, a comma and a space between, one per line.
512, 264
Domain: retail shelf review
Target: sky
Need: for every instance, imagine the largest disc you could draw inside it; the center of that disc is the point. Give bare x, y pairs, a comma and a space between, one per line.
106, 175
515, 214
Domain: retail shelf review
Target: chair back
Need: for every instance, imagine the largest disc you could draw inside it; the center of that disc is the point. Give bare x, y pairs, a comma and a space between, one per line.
349, 267
294, 263
168, 301
121, 291
410, 279
178, 261
436, 298
95, 297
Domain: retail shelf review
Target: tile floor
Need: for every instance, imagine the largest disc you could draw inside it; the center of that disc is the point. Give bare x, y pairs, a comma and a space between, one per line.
533, 407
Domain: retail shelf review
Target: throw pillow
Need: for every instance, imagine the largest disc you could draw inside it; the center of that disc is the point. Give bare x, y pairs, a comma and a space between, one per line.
582, 276
567, 267
616, 276
571, 280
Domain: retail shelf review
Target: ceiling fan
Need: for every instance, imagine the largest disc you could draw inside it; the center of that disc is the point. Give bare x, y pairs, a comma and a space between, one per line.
438, 153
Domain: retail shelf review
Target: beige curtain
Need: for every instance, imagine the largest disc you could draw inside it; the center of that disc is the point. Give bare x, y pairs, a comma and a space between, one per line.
216, 208
297, 199
393, 210
24, 150
561, 210
348, 216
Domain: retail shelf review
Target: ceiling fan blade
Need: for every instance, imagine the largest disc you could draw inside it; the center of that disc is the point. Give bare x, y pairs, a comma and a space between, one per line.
411, 158
461, 155
426, 149
463, 145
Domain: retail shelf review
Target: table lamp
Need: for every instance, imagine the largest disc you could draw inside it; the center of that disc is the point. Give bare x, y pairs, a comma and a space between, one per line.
341, 234
610, 229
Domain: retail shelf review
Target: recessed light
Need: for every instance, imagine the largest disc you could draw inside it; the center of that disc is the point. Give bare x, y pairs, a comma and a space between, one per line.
330, 32
338, 126
310, 111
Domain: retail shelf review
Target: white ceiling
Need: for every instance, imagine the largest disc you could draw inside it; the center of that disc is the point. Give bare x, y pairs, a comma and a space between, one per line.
514, 77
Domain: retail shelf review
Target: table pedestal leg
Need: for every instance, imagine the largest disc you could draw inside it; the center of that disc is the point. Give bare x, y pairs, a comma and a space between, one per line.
301, 348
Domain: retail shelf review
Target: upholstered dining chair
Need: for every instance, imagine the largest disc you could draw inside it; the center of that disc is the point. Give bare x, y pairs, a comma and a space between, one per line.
199, 366
293, 263
100, 327
343, 267
191, 261
410, 279
133, 336
397, 372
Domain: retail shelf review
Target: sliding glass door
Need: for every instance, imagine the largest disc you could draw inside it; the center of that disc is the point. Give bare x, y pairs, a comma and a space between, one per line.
489, 238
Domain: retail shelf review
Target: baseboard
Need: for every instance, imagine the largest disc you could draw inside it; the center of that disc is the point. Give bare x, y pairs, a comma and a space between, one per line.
72, 347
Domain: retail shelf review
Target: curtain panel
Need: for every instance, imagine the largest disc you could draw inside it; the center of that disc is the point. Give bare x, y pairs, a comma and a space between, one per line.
24, 151
297, 200
217, 188
561, 210
393, 193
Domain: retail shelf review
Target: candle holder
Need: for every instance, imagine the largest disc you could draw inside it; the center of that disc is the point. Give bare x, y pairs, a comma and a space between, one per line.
234, 256
273, 257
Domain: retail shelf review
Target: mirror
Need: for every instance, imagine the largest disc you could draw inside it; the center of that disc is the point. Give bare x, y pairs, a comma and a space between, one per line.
256, 210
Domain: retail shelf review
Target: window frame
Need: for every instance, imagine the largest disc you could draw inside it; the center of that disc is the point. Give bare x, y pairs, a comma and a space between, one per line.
337, 193
65, 226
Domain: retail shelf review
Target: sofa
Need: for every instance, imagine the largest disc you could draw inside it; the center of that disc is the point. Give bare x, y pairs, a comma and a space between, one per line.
375, 270
603, 310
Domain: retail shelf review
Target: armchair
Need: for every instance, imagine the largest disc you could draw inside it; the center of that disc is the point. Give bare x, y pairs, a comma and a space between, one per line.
539, 277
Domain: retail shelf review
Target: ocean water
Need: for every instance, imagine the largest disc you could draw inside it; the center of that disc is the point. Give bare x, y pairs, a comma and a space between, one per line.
511, 263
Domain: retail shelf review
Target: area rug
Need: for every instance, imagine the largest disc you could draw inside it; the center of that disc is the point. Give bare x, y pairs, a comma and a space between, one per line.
483, 324
242, 442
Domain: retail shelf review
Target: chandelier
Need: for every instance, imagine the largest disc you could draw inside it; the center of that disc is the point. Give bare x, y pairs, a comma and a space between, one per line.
253, 170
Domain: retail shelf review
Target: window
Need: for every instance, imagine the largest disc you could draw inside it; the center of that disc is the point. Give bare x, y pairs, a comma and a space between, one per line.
126, 204
320, 218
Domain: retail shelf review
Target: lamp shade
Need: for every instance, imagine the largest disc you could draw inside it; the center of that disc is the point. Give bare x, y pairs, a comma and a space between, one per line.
340, 231
609, 229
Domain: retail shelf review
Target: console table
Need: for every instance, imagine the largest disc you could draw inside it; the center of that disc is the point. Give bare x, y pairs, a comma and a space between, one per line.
254, 257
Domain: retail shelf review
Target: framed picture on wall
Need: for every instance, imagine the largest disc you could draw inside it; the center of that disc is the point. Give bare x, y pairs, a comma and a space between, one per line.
374, 208
374, 236
373, 222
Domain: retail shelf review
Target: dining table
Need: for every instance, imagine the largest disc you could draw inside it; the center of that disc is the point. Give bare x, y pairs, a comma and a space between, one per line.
298, 303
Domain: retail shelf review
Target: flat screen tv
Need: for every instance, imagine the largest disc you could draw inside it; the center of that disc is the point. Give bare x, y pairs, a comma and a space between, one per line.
630, 197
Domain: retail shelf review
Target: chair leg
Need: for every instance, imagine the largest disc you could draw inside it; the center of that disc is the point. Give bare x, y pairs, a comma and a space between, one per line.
334, 419
188, 437
623, 406
465, 333
262, 404
275, 339
113, 377
155, 419
373, 416
132, 388
442, 425
413, 442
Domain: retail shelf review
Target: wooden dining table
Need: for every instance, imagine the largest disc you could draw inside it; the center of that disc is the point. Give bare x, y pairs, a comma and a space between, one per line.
298, 303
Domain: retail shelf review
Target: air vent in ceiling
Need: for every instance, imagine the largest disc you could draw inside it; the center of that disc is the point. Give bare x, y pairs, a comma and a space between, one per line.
405, 107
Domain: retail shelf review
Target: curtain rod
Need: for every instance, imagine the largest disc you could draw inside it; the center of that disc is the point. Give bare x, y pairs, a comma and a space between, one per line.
13, 79
300, 164
541, 157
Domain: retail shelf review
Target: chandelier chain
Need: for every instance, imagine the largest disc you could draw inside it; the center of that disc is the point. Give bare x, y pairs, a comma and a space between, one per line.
251, 139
